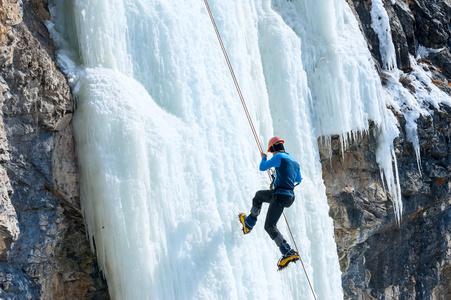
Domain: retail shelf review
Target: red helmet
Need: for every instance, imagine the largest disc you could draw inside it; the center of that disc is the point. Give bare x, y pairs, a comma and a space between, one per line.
274, 140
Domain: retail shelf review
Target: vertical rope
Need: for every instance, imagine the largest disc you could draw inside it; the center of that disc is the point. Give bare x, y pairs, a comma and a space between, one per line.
254, 132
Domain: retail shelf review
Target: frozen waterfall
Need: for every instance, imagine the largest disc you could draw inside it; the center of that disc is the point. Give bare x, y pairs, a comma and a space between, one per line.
166, 156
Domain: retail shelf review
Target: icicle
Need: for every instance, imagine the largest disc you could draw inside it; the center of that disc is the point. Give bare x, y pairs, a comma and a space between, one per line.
381, 25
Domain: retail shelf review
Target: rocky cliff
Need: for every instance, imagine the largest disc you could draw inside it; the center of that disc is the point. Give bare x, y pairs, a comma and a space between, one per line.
379, 258
44, 253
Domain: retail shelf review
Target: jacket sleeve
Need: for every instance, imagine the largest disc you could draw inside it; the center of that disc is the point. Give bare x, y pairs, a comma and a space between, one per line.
274, 162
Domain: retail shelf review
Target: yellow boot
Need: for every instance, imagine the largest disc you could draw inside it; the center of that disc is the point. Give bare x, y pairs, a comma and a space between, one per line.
290, 256
242, 217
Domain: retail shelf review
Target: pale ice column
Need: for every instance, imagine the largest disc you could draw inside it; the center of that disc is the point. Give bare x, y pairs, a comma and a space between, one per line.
381, 25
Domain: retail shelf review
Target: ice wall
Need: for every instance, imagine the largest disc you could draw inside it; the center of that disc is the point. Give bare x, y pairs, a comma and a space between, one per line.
167, 159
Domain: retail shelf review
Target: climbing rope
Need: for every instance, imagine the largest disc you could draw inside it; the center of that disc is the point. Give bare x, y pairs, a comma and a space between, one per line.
254, 132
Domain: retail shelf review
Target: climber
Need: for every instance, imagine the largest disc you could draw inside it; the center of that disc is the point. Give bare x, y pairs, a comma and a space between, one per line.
279, 196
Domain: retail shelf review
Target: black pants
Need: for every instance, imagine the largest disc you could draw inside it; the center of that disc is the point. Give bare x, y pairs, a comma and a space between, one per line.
276, 205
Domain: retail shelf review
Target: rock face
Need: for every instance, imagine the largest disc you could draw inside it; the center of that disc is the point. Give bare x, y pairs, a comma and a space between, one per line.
413, 23
379, 258
44, 253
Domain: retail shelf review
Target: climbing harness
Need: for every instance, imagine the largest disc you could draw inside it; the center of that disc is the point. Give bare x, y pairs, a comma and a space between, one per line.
251, 124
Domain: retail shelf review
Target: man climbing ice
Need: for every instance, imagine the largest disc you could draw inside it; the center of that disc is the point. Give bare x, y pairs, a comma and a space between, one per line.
280, 195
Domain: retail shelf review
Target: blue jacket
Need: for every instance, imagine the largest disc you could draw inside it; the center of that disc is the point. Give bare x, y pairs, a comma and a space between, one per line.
287, 172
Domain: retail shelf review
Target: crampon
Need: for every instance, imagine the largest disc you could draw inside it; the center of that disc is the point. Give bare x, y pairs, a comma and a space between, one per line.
286, 259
